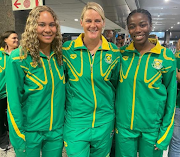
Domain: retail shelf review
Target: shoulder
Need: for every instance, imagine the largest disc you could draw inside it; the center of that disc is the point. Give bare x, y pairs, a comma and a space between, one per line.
67, 44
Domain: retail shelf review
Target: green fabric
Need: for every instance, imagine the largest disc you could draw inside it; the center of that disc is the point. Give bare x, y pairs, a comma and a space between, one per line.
36, 96
129, 142
177, 55
146, 93
50, 143
91, 83
89, 142
3, 61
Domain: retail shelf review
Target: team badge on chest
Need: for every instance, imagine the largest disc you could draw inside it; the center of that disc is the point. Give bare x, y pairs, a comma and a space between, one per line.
157, 64
108, 58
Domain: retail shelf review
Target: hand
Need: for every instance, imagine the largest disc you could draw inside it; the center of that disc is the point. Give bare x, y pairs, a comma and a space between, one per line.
156, 148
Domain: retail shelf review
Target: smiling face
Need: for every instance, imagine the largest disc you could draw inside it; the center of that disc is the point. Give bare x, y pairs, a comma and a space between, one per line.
92, 24
12, 41
46, 29
139, 27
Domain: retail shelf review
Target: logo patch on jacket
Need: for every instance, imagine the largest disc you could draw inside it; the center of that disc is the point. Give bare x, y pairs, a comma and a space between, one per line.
34, 65
108, 58
125, 58
177, 54
73, 56
157, 64
0, 58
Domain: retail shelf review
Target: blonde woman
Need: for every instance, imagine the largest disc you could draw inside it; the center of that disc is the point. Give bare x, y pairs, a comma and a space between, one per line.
36, 88
91, 65
8, 42
174, 147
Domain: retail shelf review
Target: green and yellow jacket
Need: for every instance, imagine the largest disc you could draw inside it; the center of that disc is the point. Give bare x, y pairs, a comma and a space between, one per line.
3, 60
36, 95
177, 56
146, 93
91, 83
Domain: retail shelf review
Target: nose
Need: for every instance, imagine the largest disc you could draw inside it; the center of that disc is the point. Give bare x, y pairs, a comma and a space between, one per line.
138, 29
47, 28
93, 24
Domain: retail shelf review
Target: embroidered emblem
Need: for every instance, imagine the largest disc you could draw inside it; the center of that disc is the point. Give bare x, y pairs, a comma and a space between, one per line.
157, 64
0, 58
73, 56
65, 144
177, 54
0, 70
34, 65
125, 58
108, 58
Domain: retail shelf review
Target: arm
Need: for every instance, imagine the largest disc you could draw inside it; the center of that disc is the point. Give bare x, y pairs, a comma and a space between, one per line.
15, 82
169, 80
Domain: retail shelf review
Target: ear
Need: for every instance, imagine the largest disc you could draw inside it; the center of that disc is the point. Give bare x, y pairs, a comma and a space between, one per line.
81, 22
5, 40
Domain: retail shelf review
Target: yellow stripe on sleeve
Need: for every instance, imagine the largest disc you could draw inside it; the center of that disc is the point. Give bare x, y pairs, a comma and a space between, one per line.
15, 125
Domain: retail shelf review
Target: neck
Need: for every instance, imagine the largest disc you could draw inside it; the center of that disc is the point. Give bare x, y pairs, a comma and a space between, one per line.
8, 49
92, 45
143, 48
45, 49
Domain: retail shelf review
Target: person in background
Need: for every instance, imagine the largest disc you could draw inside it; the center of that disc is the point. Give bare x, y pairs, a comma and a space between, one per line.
109, 35
8, 42
174, 147
145, 96
91, 66
36, 87
120, 41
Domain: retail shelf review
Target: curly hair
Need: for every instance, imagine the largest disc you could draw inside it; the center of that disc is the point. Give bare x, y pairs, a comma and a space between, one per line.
4, 36
29, 42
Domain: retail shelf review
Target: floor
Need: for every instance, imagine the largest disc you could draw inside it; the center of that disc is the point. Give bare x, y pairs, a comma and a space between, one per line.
10, 153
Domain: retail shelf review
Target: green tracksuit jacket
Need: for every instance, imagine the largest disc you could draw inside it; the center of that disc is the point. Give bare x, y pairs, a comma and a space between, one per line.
146, 93
177, 55
36, 95
3, 60
91, 83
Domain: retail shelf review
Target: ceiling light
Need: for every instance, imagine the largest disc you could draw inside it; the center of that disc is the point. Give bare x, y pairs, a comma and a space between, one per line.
167, 30
76, 20
158, 15
161, 8
178, 23
166, 0
172, 27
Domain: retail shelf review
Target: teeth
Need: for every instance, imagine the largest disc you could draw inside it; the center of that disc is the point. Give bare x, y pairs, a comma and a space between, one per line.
93, 31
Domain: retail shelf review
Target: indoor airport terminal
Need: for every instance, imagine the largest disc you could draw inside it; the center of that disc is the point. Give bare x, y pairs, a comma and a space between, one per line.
82, 78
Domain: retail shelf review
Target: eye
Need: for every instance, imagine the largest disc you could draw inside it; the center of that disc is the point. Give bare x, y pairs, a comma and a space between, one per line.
41, 24
143, 25
97, 21
131, 27
88, 21
52, 24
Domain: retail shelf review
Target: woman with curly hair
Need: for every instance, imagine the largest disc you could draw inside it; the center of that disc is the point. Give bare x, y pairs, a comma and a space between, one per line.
8, 42
36, 87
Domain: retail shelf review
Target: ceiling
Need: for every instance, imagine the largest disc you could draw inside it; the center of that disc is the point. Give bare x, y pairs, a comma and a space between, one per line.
165, 14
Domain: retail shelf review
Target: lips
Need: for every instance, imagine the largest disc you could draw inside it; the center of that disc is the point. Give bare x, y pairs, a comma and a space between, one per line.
139, 37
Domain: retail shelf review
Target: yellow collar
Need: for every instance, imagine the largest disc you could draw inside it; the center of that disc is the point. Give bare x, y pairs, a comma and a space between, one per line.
79, 42
156, 49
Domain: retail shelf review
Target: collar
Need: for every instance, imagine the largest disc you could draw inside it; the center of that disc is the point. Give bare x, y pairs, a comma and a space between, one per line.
50, 56
156, 49
80, 45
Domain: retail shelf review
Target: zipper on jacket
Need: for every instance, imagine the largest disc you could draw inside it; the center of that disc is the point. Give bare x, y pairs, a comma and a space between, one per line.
49, 63
93, 89
134, 91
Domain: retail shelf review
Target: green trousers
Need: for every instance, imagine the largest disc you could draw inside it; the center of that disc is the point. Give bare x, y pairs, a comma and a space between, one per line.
129, 142
50, 143
89, 142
